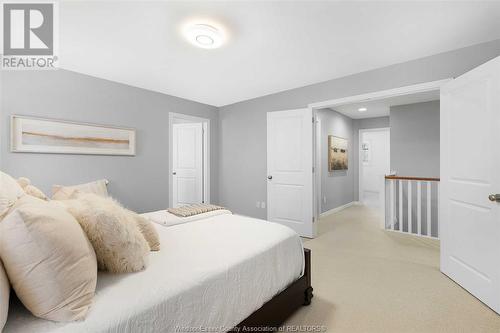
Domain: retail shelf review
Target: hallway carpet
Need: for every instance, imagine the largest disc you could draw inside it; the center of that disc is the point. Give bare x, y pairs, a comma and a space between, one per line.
366, 279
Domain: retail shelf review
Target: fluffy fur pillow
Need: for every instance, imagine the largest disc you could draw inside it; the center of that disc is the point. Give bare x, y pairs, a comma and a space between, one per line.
113, 232
98, 187
49, 261
4, 297
10, 192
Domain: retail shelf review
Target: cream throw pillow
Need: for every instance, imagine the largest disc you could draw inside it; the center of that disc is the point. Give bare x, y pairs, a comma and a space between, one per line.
10, 192
4, 297
98, 187
119, 245
49, 261
148, 231
30, 189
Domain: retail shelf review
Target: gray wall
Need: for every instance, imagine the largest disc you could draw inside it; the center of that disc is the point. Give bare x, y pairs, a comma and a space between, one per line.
336, 187
243, 125
415, 139
139, 182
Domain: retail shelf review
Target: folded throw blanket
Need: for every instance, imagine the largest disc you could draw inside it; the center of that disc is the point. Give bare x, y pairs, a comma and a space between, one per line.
195, 209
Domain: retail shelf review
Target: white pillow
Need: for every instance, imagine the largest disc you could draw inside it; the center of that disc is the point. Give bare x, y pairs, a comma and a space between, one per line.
4, 296
49, 261
10, 192
60, 192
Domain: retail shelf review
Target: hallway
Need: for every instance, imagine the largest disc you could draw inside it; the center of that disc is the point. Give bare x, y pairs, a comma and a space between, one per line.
369, 280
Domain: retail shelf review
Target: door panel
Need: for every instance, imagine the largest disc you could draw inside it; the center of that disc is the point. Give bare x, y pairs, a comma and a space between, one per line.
187, 164
289, 166
470, 164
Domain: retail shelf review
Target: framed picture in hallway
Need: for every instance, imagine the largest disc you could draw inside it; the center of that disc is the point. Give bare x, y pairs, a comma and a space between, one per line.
36, 135
337, 153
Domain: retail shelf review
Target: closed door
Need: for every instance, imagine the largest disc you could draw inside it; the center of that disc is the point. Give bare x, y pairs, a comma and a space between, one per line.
187, 171
374, 165
470, 178
289, 169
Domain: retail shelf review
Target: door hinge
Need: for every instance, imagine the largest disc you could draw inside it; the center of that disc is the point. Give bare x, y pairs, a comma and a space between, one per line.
313, 169
314, 219
313, 120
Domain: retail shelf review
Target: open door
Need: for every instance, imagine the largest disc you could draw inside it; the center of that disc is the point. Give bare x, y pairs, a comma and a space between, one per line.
470, 181
290, 169
187, 164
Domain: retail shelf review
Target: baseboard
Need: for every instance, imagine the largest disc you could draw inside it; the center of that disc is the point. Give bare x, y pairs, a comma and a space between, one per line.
338, 209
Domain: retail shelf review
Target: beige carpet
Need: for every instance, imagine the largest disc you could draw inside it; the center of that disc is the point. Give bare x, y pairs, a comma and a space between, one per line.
369, 280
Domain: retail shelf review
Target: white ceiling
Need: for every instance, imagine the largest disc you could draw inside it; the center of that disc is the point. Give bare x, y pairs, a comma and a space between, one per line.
272, 46
381, 108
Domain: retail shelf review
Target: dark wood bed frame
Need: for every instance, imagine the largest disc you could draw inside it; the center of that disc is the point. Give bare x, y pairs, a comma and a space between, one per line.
274, 313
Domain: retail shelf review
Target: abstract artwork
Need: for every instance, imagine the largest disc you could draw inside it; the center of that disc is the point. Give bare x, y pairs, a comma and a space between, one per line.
337, 153
35, 135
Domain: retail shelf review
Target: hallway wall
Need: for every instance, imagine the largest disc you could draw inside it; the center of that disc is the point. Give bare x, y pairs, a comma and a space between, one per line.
415, 139
337, 187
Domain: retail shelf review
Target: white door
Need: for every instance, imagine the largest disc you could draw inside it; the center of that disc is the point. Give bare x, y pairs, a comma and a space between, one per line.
374, 165
470, 172
289, 169
187, 171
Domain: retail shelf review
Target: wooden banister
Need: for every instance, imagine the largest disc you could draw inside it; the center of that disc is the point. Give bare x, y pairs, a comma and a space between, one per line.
425, 179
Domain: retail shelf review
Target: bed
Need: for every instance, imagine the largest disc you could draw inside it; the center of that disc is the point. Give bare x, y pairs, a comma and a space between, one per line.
218, 273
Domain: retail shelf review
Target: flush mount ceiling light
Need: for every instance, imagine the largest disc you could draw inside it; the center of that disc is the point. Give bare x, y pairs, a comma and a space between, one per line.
362, 109
204, 36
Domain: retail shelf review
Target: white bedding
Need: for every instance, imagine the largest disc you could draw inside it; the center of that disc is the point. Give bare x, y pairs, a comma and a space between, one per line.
165, 218
209, 273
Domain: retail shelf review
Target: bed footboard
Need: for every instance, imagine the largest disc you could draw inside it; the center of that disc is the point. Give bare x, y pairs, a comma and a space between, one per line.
274, 313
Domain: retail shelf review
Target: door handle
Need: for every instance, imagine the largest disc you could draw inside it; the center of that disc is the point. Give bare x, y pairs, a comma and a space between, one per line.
494, 197
174, 173
269, 177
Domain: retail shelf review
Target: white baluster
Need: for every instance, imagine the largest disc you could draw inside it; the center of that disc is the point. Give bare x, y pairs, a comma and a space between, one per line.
410, 226
400, 205
393, 203
419, 207
438, 197
429, 213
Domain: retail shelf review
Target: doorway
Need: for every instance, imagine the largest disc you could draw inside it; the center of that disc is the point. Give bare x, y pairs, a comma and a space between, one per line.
467, 196
189, 160
374, 164
355, 108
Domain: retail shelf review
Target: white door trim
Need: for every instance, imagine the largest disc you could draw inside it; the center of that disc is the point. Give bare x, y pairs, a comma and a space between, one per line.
317, 200
172, 116
376, 95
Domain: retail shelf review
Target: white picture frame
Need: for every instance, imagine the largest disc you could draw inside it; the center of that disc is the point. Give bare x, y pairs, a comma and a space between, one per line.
51, 136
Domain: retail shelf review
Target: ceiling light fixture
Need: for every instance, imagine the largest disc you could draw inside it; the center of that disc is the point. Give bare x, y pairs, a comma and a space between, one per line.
204, 36
362, 109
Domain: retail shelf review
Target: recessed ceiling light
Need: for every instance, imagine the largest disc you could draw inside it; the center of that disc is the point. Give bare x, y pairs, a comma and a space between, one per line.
362, 109
204, 36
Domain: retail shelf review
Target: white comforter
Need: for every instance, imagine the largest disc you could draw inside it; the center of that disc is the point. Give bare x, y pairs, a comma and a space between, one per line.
211, 273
